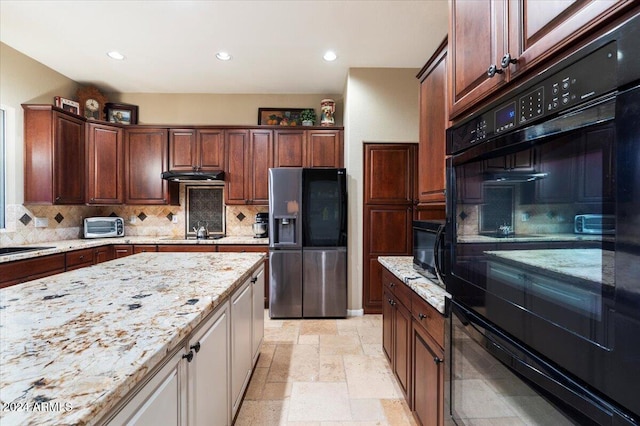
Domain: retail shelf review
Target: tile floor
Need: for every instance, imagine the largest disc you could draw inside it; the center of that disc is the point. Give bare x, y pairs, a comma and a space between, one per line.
323, 373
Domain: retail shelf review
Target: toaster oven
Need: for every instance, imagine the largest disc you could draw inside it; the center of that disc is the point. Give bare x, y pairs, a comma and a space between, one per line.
594, 224
103, 227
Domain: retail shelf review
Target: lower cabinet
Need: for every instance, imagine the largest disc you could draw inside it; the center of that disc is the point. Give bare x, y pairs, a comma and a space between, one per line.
250, 248
241, 341
122, 250
203, 381
413, 341
21, 271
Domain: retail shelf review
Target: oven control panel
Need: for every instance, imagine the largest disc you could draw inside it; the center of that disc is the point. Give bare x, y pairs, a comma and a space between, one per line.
544, 98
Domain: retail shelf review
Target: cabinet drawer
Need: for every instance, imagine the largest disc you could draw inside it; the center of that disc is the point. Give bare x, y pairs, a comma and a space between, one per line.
30, 269
80, 257
429, 318
400, 290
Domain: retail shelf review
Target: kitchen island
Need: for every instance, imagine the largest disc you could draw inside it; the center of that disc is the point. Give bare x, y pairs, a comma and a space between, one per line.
75, 344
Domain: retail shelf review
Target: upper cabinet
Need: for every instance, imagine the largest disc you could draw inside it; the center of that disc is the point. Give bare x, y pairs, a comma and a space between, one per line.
249, 157
146, 151
289, 148
54, 156
325, 148
105, 164
434, 121
196, 149
494, 42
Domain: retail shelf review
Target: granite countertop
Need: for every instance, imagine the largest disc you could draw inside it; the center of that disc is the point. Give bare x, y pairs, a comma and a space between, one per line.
63, 246
85, 338
574, 265
430, 291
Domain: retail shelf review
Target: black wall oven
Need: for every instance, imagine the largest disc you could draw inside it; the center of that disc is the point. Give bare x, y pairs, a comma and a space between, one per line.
560, 308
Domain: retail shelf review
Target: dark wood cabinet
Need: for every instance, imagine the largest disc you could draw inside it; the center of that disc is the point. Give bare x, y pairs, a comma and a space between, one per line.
21, 271
122, 250
104, 254
196, 149
190, 248
54, 156
144, 248
249, 157
78, 259
389, 191
325, 148
434, 121
146, 151
289, 148
532, 33
397, 329
105, 164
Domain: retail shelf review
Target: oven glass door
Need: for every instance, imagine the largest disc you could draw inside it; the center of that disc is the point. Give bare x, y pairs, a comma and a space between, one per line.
518, 259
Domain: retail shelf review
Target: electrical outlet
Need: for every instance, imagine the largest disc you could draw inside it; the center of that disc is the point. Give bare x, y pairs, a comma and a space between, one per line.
41, 222
133, 219
174, 219
524, 217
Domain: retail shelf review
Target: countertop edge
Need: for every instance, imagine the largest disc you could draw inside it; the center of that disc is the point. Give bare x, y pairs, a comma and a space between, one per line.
429, 291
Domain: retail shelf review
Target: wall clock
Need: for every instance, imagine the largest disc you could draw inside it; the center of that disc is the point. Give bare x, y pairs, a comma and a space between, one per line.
91, 102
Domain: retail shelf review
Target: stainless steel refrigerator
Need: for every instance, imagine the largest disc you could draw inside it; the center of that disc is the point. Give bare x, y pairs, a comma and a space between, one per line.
307, 242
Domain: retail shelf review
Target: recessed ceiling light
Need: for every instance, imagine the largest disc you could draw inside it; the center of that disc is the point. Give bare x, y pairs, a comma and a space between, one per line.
223, 56
115, 55
329, 56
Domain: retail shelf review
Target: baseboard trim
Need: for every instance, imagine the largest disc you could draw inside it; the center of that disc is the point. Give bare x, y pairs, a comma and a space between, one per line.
355, 312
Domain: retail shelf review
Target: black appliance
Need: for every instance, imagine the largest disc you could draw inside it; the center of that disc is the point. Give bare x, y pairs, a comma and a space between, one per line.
428, 244
307, 242
566, 306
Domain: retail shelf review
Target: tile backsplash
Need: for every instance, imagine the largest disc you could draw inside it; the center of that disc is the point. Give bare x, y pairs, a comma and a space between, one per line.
65, 222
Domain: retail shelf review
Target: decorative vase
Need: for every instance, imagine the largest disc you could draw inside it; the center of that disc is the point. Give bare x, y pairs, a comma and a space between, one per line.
307, 123
327, 108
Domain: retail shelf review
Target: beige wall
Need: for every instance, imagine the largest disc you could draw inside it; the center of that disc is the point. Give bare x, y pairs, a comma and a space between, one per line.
23, 80
381, 105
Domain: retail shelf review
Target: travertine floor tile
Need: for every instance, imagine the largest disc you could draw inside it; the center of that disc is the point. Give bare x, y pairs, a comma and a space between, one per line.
369, 377
318, 327
340, 345
319, 401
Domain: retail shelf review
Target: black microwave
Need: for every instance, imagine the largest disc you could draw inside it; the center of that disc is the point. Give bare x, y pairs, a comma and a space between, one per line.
428, 248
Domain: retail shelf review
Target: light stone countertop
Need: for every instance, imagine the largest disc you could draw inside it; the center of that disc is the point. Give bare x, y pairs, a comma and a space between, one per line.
430, 291
85, 338
574, 265
62, 246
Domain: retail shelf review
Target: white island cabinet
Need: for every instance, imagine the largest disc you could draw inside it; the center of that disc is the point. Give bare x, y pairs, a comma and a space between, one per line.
192, 387
258, 313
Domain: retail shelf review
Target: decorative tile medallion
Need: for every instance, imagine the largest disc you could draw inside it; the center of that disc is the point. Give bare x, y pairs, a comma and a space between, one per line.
25, 219
241, 217
142, 216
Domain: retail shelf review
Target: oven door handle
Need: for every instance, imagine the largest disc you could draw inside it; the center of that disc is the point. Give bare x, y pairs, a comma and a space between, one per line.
438, 246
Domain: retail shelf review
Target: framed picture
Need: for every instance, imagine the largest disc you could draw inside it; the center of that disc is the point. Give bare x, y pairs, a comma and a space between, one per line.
279, 116
121, 113
67, 104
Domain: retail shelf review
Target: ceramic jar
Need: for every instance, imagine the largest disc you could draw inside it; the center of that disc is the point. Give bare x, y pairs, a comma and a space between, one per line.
327, 108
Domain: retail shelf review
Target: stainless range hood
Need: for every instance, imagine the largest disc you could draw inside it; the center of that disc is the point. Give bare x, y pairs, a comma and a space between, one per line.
217, 175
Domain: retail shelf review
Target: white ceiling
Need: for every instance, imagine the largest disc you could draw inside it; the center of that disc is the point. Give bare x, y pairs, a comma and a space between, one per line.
170, 46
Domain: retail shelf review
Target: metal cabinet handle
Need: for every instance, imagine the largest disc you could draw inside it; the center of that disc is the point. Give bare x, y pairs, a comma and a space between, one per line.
392, 284
493, 70
195, 347
437, 360
254, 279
421, 316
188, 356
507, 60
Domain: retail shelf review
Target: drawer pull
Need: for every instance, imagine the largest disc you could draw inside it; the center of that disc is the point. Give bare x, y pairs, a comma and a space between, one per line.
437, 360
391, 284
421, 316
195, 347
188, 356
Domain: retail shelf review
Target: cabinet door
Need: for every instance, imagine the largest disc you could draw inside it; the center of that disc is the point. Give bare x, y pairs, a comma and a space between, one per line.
208, 372
122, 250
159, 402
69, 160
261, 144
324, 148
145, 248
105, 165
433, 123
477, 39
289, 148
389, 173
538, 29
401, 347
427, 379
210, 149
146, 152
182, 150
241, 324
104, 254
237, 164
257, 283
387, 324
